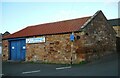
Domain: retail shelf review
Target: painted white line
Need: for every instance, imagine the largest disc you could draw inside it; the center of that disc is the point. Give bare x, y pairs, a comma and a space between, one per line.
31, 72
63, 68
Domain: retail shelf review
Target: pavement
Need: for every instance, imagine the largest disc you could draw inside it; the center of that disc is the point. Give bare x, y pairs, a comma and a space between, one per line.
106, 66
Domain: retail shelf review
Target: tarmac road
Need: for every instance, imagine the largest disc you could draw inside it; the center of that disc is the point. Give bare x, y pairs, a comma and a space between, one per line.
107, 66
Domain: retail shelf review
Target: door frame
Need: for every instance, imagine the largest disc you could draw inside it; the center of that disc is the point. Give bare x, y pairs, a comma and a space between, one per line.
9, 48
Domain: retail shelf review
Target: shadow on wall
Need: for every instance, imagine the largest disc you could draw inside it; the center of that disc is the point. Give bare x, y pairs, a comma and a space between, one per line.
118, 44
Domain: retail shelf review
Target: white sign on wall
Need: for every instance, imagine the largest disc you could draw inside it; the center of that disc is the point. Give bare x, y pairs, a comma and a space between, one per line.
35, 40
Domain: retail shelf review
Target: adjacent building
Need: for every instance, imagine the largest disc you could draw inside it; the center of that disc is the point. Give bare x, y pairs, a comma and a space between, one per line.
69, 41
116, 25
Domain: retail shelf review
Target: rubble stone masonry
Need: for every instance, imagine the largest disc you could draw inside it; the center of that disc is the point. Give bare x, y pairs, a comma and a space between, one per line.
94, 41
117, 29
5, 50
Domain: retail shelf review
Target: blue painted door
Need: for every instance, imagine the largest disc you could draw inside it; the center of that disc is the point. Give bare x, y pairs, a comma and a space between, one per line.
13, 50
18, 49
22, 49
18, 52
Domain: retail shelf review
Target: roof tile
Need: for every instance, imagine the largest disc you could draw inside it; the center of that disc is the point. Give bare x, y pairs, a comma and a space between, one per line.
51, 28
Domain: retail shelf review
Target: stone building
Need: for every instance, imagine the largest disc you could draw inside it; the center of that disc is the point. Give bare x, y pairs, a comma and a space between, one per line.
6, 33
69, 41
115, 23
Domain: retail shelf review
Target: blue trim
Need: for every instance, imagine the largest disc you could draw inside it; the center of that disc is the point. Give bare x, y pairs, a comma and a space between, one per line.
16, 39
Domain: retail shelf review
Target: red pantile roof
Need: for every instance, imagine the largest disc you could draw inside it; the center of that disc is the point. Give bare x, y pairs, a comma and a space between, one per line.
50, 28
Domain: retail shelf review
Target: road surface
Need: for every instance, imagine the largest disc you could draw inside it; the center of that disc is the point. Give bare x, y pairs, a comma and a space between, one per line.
107, 66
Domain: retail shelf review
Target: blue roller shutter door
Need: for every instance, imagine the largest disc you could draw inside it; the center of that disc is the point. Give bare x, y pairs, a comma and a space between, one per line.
13, 50
18, 49
23, 49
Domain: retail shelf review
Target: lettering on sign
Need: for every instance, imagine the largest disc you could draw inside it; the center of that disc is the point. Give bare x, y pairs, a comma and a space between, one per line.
35, 40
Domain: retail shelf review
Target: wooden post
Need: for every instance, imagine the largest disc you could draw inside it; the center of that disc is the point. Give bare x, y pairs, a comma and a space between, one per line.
71, 52
72, 40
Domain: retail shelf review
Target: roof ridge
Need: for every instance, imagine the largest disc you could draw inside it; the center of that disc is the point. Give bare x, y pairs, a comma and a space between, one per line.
114, 19
59, 21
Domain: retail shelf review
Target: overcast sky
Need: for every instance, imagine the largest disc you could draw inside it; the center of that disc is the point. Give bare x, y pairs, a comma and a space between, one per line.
18, 15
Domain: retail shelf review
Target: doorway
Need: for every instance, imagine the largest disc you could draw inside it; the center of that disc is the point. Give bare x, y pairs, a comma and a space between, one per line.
17, 49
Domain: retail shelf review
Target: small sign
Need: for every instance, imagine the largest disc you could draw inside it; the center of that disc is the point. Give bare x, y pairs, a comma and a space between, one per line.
35, 40
72, 37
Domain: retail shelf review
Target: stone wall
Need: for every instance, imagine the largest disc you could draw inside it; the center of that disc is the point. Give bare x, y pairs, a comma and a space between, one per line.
56, 49
59, 49
100, 38
5, 50
117, 29
94, 41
